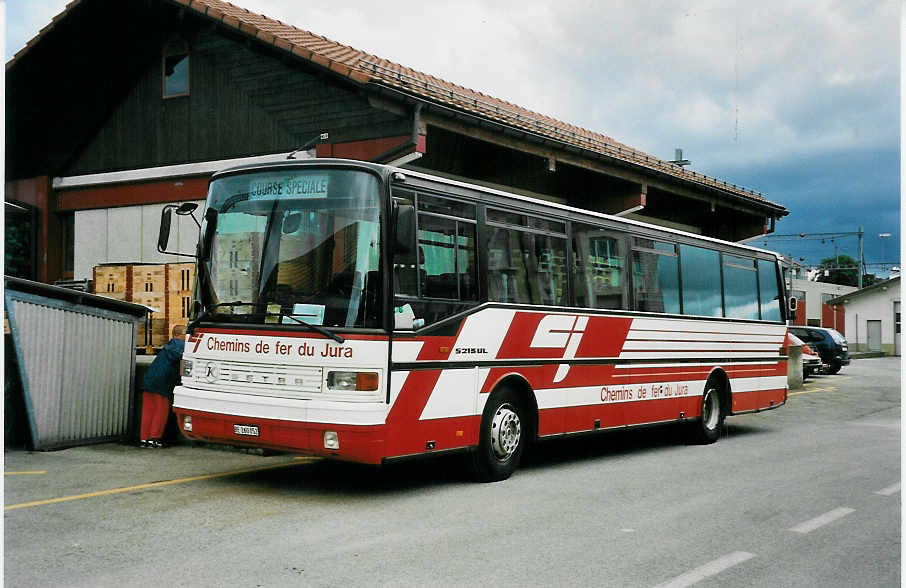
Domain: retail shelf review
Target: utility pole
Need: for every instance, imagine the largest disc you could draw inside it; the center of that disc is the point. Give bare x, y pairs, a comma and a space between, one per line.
861, 260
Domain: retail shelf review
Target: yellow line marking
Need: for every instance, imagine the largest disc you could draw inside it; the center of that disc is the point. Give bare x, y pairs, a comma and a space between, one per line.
151, 485
810, 390
25, 473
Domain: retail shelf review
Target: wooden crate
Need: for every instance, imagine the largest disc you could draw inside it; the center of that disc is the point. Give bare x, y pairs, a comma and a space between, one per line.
180, 278
159, 334
179, 306
113, 279
156, 300
166, 288
148, 279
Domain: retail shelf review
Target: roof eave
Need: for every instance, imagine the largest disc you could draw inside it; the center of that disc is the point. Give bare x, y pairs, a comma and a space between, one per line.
863, 291
776, 210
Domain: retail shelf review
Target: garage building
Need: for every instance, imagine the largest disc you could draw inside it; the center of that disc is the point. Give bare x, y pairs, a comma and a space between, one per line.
873, 318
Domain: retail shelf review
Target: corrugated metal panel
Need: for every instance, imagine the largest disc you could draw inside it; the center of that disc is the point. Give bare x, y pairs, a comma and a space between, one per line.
77, 364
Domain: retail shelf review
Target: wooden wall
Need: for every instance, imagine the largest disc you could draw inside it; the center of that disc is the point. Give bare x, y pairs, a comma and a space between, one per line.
242, 101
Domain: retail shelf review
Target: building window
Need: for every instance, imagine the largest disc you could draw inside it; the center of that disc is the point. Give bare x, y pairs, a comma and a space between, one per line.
176, 69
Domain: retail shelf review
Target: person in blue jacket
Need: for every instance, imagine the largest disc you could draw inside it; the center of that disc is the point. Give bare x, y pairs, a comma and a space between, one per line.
157, 388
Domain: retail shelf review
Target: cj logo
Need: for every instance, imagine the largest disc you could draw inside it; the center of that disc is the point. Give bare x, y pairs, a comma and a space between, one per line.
560, 331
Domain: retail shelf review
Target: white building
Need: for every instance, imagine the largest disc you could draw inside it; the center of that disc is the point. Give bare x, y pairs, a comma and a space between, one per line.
811, 297
873, 317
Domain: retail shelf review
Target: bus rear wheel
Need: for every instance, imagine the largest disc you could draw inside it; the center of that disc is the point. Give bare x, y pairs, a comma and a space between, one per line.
707, 429
502, 437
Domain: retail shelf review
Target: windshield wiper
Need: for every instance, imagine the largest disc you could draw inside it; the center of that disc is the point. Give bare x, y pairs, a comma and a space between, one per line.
315, 328
207, 311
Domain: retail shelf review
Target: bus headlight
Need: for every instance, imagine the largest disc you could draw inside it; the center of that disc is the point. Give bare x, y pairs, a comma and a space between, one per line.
186, 368
358, 381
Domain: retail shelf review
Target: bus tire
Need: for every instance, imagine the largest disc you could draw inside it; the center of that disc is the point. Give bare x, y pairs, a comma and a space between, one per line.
707, 429
502, 437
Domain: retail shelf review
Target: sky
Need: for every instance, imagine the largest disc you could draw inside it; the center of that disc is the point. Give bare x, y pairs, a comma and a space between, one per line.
797, 100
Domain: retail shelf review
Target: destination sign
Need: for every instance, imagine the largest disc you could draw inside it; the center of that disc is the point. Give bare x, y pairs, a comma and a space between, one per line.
307, 186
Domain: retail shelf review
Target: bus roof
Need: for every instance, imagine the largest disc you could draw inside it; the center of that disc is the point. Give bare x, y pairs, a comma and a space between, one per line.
566, 208
386, 171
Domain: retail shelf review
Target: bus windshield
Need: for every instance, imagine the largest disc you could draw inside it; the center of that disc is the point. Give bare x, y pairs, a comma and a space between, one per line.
295, 245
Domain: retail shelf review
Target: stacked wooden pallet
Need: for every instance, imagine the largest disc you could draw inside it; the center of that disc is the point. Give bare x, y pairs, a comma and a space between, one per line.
166, 289
180, 279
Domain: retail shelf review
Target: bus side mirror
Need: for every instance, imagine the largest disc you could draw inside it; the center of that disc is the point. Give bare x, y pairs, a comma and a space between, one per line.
166, 221
163, 237
403, 227
794, 304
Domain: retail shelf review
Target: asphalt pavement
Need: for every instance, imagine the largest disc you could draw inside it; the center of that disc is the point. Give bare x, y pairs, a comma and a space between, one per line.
805, 495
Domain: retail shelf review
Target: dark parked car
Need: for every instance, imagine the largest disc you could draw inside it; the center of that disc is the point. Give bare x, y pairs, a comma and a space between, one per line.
827, 343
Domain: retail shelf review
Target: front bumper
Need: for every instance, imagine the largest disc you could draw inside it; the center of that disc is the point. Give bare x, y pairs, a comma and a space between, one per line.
363, 444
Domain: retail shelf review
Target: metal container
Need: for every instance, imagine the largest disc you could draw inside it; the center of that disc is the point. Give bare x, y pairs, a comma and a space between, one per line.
76, 359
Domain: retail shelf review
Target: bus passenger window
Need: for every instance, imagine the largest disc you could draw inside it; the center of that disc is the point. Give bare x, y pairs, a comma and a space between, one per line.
506, 274
655, 276
438, 276
701, 281
526, 267
446, 258
599, 267
740, 287
769, 291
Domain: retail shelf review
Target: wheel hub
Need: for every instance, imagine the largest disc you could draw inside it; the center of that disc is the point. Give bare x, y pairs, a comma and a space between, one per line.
506, 431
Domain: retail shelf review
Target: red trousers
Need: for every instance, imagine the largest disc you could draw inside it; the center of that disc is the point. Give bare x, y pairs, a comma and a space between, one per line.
155, 412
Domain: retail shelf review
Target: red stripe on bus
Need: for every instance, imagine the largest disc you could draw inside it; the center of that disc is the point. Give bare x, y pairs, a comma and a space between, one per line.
297, 334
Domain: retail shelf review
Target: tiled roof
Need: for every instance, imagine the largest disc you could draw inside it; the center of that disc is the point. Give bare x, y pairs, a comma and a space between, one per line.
364, 68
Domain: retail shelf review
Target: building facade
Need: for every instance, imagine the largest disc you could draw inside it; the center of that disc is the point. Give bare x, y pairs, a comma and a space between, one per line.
813, 304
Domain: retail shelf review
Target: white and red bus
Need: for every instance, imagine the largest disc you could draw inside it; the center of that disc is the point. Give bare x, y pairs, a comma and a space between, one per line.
366, 313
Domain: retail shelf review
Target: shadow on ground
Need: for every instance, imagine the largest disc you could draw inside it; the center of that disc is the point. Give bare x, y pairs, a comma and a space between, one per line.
352, 479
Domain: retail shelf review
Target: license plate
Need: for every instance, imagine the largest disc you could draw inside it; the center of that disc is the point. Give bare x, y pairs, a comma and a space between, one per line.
249, 430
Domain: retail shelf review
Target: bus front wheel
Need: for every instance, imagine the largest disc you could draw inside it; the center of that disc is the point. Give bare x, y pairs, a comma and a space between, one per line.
502, 437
